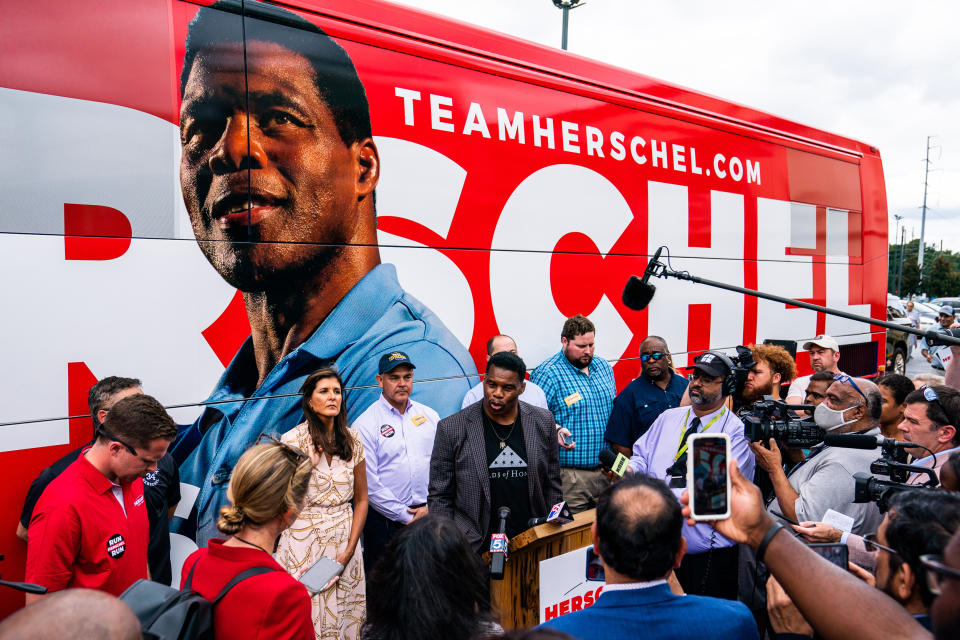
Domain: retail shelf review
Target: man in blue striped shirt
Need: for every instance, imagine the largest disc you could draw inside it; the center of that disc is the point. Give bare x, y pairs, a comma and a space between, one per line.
580, 391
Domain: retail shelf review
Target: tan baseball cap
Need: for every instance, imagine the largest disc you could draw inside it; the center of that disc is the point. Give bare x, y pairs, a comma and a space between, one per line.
824, 341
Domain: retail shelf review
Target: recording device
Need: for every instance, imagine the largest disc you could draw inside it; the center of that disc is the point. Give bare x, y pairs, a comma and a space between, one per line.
316, 578
867, 488
595, 572
933, 337
559, 514
835, 552
776, 419
638, 292
498, 546
708, 477
615, 462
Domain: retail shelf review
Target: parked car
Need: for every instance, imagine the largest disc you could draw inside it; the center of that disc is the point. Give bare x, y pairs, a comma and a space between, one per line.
898, 351
939, 302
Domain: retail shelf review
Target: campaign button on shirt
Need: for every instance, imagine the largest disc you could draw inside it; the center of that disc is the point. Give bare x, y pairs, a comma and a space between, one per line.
387, 431
116, 545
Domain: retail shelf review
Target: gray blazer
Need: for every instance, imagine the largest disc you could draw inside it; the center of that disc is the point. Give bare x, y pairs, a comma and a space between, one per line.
459, 477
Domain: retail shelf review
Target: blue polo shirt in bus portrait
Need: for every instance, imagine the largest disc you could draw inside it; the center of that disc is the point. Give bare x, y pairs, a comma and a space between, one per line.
377, 315
579, 402
638, 405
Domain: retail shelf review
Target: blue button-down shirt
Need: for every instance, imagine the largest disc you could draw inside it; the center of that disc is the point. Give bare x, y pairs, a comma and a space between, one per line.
398, 447
579, 402
638, 405
656, 451
376, 316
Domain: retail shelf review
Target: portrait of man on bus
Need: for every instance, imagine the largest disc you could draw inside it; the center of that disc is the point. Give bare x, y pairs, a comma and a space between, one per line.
278, 172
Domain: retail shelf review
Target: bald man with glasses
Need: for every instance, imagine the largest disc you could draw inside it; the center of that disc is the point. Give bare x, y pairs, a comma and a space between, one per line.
824, 481
656, 389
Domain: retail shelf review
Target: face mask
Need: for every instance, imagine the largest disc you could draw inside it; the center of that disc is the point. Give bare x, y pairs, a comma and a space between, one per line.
831, 419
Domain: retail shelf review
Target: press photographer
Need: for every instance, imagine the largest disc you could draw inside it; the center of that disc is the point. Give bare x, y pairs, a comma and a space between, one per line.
825, 480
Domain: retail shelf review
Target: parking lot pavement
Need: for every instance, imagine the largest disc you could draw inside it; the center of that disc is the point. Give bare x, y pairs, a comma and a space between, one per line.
918, 364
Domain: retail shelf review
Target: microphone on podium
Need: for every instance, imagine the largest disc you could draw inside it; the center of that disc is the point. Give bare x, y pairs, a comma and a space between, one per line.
559, 514
498, 546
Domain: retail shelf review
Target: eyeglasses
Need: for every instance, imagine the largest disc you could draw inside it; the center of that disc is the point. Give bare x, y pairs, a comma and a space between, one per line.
297, 455
116, 439
937, 572
844, 379
871, 544
126, 446
655, 356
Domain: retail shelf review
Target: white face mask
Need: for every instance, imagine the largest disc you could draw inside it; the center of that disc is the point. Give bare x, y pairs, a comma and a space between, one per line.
831, 419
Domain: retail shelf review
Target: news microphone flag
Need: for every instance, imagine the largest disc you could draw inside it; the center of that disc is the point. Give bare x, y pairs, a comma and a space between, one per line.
560, 514
616, 462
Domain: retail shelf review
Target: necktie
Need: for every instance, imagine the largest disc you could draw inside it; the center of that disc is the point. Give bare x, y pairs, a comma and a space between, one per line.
692, 429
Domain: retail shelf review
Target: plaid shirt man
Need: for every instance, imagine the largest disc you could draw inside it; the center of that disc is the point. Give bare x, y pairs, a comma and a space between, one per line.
579, 402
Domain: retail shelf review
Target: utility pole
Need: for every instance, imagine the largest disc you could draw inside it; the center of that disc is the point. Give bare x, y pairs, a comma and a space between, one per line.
923, 213
900, 254
565, 6
903, 232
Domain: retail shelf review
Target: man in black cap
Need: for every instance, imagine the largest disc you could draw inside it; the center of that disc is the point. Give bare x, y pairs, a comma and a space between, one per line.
397, 433
710, 566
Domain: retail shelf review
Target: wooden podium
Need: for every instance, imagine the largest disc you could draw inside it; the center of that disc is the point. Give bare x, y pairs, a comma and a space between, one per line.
517, 596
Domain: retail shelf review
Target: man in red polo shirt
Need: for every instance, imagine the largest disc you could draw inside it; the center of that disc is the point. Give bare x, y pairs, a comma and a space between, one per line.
89, 528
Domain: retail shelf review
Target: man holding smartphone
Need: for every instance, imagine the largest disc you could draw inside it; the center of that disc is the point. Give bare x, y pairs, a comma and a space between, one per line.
710, 566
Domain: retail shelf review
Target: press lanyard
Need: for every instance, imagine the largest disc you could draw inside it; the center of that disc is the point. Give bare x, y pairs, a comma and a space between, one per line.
683, 449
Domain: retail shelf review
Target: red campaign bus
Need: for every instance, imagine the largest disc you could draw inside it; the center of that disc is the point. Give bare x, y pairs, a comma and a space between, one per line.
491, 185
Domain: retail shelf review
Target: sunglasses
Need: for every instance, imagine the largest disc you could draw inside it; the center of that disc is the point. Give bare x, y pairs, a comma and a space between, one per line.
843, 379
292, 452
937, 573
655, 356
931, 396
126, 446
871, 544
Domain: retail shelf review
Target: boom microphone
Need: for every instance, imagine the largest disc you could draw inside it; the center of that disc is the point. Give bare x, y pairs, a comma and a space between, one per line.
638, 292
861, 441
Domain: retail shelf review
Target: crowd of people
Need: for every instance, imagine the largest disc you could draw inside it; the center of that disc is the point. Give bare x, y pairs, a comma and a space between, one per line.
405, 502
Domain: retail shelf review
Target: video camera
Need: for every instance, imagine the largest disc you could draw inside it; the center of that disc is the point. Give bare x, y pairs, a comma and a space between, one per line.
770, 418
891, 463
743, 362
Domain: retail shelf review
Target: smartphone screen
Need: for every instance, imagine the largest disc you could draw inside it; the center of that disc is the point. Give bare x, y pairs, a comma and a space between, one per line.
708, 481
323, 571
835, 552
595, 571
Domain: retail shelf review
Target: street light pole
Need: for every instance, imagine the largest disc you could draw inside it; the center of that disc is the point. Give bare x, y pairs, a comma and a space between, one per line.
565, 6
900, 253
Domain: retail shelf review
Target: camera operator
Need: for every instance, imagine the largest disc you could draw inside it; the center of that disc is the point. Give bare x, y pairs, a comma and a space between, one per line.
825, 479
835, 603
772, 367
918, 523
930, 419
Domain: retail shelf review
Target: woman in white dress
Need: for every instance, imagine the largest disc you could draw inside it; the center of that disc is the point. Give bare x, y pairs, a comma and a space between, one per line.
328, 525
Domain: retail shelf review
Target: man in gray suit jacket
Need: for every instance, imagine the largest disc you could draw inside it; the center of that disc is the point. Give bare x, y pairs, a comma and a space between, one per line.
496, 453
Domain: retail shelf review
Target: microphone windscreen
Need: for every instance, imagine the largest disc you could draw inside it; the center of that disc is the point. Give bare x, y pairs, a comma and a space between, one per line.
616, 462
850, 441
637, 294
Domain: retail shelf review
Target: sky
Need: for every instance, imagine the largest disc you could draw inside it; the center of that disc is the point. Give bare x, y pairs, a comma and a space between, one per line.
885, 73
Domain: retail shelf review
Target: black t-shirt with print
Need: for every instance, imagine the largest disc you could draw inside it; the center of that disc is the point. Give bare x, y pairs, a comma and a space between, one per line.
507, 468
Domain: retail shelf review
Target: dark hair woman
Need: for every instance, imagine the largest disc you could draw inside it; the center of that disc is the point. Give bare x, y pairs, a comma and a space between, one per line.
328, 525
429, 584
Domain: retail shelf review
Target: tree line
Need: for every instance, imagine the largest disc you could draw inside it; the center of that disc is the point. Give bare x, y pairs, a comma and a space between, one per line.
941, 271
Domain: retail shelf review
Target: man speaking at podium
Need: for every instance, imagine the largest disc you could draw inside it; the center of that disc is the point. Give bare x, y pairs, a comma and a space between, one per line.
496, 453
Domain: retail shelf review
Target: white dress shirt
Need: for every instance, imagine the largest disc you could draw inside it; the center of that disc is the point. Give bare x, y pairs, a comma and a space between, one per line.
398, 448
532, 394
